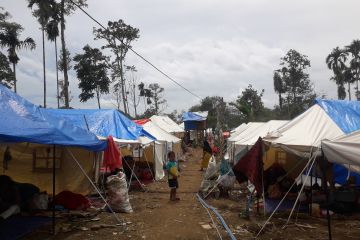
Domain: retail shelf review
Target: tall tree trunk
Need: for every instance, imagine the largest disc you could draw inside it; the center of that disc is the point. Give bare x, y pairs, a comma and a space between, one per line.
57, 74
134, 93
349, 91
62, 30
44, 67
357, 87
14, 70
123, 87
119, 62
98, 98
280, 101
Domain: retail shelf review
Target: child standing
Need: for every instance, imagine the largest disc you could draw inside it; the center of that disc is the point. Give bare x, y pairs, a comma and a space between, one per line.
173, 174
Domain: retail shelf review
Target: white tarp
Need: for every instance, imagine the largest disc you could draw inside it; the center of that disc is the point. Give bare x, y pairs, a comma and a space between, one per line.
304, 133
251, 137
165, 123
159, 133
238, 128
244, 131
344, 150
164, 141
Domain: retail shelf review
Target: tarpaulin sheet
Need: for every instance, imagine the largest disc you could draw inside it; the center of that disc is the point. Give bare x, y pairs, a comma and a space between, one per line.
141, 121
346, 114
250, 166
102, 122
190, 116
22, 121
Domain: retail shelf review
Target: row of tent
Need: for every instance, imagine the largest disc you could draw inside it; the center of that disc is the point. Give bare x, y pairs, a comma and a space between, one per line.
42, 139
331, 127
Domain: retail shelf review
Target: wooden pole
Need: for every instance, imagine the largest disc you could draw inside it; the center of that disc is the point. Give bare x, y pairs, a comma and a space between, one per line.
53, 192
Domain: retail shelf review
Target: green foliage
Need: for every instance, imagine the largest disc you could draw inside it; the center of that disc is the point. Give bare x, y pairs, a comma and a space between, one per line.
118, 37
292, 83
91, 69
6, 74
157, 98
64, 64
250, 104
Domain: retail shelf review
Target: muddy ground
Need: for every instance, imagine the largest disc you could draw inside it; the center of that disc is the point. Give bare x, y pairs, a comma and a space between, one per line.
155, 217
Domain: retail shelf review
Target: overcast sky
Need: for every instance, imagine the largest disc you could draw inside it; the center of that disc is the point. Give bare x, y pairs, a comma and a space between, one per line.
211, 47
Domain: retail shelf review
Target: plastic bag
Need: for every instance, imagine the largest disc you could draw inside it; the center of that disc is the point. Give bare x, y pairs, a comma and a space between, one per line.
117, 192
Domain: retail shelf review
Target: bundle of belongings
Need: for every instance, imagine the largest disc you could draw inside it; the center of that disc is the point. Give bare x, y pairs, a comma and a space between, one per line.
218, 179
16, 197
117, 193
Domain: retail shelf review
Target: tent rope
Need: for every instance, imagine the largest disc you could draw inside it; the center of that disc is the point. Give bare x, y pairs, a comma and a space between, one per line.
277, 207
94, 186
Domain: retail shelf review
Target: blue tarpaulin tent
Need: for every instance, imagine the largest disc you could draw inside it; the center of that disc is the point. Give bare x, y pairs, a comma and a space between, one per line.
102, 122
193, 121
346, 115
22, 121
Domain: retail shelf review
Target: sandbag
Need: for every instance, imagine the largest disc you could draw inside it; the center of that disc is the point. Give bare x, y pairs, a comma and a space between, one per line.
117, 192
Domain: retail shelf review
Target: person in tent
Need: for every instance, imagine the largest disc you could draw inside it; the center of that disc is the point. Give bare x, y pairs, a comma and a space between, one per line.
207, 153
173, 174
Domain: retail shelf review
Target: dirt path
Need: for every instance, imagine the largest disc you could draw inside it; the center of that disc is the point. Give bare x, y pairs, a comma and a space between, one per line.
154, 216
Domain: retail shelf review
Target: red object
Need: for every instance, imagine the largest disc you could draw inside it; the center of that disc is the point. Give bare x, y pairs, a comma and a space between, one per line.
215, 150
72, 201
250, 167
112, 156
141, 121
226, 134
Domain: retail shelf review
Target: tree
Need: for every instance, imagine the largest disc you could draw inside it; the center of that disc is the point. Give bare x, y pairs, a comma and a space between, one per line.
336, 62
66, 8
250, 103
9, 38
52, 31
91, 69
132, 92
279, 79
156, 97
118, 36
43, 12
6, 74
145, 93
298, 89
62, 65
354, 51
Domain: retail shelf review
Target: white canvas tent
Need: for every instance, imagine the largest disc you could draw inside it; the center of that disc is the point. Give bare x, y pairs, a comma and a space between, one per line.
165, 142
165, 123
250, 138
241, 134
303, 135
344, 150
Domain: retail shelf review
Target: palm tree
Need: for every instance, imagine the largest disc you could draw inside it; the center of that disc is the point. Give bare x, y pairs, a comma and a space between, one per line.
43, 13
354, 50
52, 31
336, 62
9, 38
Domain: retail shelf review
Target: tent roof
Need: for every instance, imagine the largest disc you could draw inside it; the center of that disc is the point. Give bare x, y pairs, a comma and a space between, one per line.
166, 124
238, 128
160, 134
22, 121
327, 119
251, 137
102, 122
194, 116
243, 133
344, 149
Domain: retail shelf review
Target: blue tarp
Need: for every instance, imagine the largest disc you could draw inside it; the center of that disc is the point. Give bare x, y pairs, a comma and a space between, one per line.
346, 115
22, 121
190, 116
102, 122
